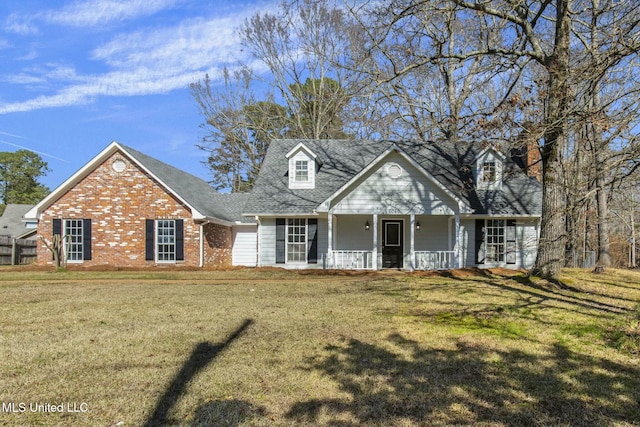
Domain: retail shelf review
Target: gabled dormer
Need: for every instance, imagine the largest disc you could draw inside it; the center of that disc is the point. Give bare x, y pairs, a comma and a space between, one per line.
303, 165
489, 167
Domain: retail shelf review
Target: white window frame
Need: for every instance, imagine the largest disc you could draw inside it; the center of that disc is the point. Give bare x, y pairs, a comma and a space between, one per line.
489, 160
489, 167
293, 223
73, 231
300, 158
299, 170
495, 252
164, 242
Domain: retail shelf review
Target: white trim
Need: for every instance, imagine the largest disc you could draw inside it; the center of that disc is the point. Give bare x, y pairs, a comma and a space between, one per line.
156, 249
303, 147
202, 244
486, 150
400, 230
412, 241
306, 242
324, 206
401, 220
375, 241
284, 215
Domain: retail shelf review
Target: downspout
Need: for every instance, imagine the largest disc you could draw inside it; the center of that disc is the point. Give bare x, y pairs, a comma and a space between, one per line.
202, 243
259, 243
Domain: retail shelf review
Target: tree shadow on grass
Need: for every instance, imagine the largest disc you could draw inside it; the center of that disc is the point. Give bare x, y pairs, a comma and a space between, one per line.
201, 356
470, 385
226, 413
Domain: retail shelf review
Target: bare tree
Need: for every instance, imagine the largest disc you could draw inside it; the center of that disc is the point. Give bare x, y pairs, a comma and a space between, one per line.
300, 45
604, 109
423, 61
239, 128
534, 34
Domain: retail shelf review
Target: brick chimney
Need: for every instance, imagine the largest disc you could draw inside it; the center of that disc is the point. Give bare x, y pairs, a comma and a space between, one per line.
533, 165
529, 159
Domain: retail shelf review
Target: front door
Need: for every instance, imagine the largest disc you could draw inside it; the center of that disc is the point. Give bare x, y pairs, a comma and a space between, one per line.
392, 243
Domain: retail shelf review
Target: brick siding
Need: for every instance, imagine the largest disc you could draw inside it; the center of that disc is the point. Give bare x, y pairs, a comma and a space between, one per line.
218, 247
118, 203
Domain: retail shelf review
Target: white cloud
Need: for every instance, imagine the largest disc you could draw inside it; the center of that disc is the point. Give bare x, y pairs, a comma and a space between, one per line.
20, 25
146, 62
96, 12
188, 46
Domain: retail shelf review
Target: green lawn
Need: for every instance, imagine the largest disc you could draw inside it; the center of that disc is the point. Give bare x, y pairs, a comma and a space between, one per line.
262, 348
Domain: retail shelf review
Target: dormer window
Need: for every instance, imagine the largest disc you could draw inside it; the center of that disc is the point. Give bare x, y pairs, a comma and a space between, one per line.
303, 164
302, 171
488, 169
489, 175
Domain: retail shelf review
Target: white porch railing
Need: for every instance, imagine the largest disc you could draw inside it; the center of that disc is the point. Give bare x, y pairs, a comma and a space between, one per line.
351, 260
435, 260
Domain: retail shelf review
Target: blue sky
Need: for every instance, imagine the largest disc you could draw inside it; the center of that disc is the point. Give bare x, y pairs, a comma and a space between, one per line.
77, 75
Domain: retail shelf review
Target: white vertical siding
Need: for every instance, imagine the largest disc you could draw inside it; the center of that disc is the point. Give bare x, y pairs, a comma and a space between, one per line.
245, 245
268, 242
527, 242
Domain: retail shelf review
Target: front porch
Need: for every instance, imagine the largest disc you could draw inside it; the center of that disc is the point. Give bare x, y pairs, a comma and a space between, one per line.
409, 242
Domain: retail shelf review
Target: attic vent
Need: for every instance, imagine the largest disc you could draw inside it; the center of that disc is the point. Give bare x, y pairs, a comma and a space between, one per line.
119, 165
394, 170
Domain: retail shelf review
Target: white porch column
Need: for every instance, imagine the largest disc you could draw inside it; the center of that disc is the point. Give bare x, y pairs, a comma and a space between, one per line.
458, 244
374, 261
330, 240
412, 246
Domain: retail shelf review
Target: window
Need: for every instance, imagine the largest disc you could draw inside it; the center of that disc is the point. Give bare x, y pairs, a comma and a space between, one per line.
296, 240
302, 171
166, 240
73, 242
495, 240
489, 174
302, 167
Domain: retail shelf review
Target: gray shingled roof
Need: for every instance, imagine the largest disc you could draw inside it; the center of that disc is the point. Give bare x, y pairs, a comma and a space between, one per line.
195, 191
341, 160
11, 223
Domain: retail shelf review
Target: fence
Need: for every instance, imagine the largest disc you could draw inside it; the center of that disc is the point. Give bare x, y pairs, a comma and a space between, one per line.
17, 251
580, 259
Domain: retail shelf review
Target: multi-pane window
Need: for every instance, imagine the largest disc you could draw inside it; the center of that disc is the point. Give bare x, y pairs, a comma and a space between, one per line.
495, 247
302, 171
296, 240
73, 239
489, 174
166, 240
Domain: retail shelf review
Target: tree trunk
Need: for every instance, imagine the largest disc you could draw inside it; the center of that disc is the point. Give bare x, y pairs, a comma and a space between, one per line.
604, 253
550, 259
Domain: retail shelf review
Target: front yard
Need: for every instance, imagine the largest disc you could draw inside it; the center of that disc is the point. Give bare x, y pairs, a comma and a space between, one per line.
258, 348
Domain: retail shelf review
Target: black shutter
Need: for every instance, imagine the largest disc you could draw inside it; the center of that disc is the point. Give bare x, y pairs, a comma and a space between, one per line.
57, 229
149, 239
312, 241
179, 240
281, 225
511, 241
86, 239
480, 252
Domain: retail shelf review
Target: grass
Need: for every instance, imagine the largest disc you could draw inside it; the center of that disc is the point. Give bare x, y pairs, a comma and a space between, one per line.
257, 348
